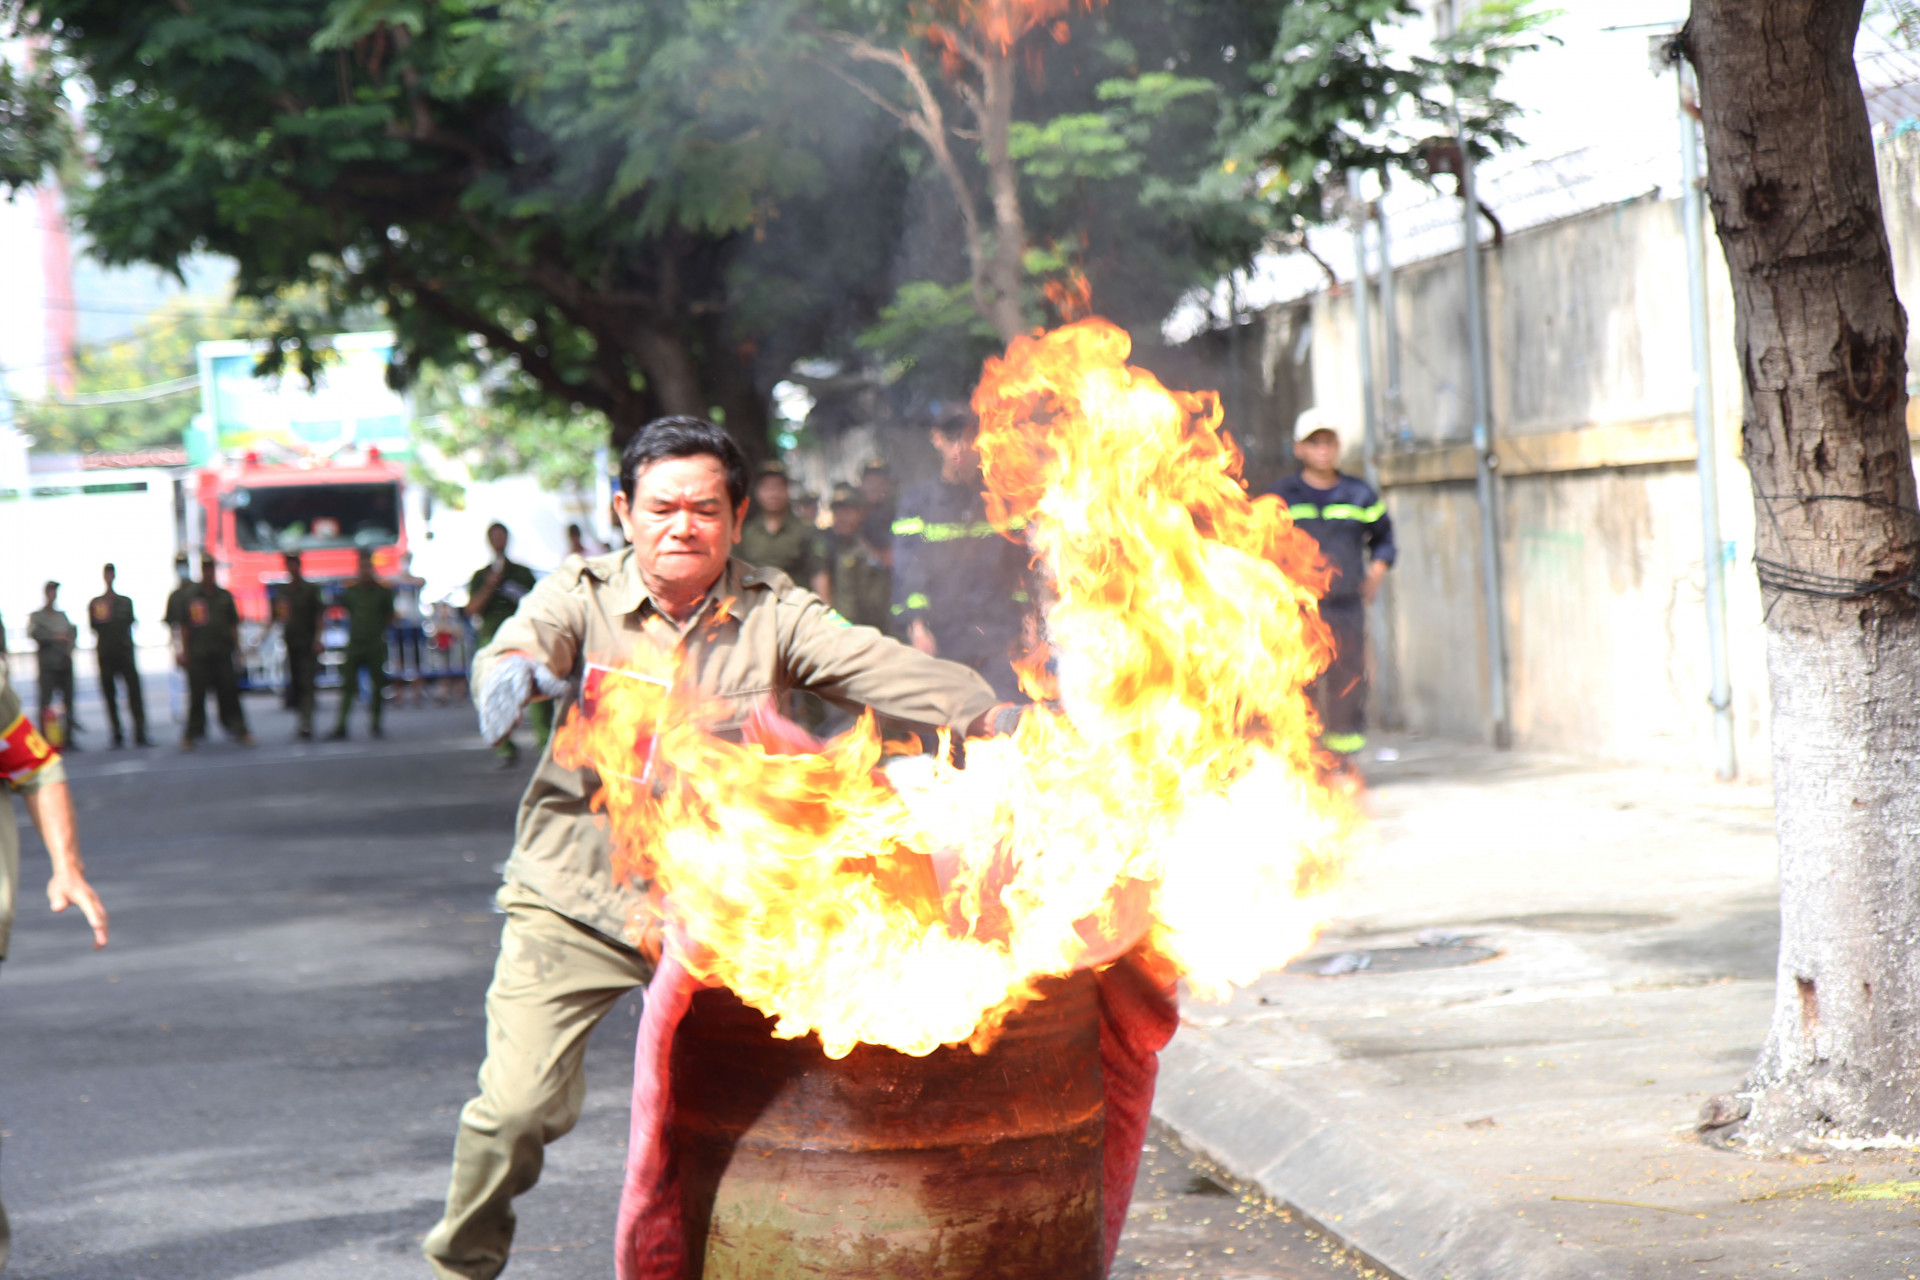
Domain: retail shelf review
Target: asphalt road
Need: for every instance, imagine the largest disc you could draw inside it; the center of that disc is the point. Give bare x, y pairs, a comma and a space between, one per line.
259, 1077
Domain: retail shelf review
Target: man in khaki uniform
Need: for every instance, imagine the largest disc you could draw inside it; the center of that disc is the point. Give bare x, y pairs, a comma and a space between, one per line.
31, 769
747, 635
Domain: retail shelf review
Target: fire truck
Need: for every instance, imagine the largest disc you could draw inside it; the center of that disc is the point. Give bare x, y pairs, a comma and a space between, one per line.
280, 466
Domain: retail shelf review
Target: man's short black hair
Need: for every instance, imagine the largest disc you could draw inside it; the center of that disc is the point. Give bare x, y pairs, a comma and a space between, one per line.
684, 437
501, 527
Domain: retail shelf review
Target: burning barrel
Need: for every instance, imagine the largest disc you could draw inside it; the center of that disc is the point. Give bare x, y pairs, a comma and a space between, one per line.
881, 1166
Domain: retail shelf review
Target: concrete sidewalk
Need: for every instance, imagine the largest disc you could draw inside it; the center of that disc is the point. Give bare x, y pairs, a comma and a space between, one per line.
1562, 963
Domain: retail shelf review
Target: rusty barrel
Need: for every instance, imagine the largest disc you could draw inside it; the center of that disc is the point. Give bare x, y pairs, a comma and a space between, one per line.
881, 1165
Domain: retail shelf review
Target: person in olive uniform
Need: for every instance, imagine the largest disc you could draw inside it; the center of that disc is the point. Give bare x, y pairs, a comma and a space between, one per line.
31, 769
299, 607
206, 640
775, 538
876, 490
566, 954
862, 586
369, 605
493, 594
110, 614
54, 633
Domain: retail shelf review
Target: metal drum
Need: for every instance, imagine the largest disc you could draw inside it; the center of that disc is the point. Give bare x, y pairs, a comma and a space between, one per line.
880, 1165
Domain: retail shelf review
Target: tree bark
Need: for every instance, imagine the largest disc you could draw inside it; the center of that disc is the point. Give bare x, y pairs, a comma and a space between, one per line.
1006, 270
1822, 346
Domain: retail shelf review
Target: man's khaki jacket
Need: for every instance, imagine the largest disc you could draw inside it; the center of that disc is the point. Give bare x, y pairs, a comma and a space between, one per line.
756, 636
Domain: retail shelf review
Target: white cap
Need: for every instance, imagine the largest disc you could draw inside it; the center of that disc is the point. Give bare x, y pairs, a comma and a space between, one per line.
1313, 420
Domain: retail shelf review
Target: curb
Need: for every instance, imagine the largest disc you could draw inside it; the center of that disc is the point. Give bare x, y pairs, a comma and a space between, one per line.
1415, 1223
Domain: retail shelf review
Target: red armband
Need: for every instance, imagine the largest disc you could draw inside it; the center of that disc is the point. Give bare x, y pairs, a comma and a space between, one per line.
23, 752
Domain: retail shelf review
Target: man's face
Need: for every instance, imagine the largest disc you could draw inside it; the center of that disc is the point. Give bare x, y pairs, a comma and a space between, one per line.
679, 521
874, 486
52, 593
209, 572
366, 564
106, 576
772, 494
293, 567
957, 457
847, 517
1321, 450
497, 539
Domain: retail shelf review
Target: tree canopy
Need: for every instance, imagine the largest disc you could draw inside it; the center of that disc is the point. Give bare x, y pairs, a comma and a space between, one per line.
632, 209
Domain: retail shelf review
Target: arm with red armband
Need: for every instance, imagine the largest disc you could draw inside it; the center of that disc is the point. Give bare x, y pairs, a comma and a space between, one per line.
31, 767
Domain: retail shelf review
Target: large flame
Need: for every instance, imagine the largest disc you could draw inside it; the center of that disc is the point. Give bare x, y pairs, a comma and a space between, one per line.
1173, 800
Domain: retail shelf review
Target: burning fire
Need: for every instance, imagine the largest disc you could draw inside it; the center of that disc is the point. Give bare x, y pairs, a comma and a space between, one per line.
1173, 800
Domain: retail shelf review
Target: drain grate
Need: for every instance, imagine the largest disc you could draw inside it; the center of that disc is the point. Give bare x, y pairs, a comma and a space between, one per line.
1444, 955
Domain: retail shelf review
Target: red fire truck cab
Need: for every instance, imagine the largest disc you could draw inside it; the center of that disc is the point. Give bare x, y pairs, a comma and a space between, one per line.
251, 513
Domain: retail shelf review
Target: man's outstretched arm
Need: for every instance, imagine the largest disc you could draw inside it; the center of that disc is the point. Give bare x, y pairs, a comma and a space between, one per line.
50, 805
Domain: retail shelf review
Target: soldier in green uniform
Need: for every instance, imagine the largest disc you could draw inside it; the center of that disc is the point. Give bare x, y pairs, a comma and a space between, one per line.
206, 638
30, 769
862, 586
493, 594
299, 607
369, 605
110, 614
775, 538
51, 629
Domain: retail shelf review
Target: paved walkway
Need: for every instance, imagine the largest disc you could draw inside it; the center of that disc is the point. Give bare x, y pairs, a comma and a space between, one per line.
1530, 1114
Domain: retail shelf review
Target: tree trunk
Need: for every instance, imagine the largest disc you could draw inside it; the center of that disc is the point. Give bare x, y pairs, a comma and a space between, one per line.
671, 373
1822, 344
1006, 269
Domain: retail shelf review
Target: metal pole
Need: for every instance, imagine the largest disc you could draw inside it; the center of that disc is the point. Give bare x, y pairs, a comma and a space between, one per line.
1363, 325
1396, 416
1486, 463
1707, 467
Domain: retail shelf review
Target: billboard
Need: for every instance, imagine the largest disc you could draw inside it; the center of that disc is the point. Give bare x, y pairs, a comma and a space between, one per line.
281, 418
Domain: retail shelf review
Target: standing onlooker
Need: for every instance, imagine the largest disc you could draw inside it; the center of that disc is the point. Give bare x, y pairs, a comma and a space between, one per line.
862, 586
775, 538
206, 641
806, 505
300, 607
960, 582
1346, 517
54, 633
369, 605
493, 594
31, 769
110, 614
876, 490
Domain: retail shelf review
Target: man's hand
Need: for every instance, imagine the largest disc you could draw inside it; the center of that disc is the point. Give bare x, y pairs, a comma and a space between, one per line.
921, 638
509, 688
70, 889
51, 808
1370, 585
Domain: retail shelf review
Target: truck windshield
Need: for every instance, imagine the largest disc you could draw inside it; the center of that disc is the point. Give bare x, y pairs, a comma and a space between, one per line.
306, 517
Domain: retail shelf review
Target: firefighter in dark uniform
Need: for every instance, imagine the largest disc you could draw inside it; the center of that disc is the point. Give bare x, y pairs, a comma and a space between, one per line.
299, 608
369, 605
110, 614
206, 636
862, 586
960, 583
1347, 518
876, 492
774, 537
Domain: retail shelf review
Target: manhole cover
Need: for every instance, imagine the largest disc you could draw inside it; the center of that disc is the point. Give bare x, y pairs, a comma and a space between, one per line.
1449, 955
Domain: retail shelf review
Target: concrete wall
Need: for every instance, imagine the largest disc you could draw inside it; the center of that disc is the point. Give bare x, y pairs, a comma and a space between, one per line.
1602, 546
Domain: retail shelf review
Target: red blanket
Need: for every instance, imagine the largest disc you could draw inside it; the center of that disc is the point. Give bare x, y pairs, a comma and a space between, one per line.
1137, 1018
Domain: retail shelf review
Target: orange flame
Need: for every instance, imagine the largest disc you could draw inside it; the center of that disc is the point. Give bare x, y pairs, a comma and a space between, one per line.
1002, 23
1174, 801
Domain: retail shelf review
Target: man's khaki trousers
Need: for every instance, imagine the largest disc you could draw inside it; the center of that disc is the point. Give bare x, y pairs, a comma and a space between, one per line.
554, 981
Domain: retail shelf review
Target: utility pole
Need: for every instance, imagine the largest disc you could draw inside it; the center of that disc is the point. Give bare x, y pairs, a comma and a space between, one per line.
1486, 462
1667, 50
1394, 425
1363, 326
